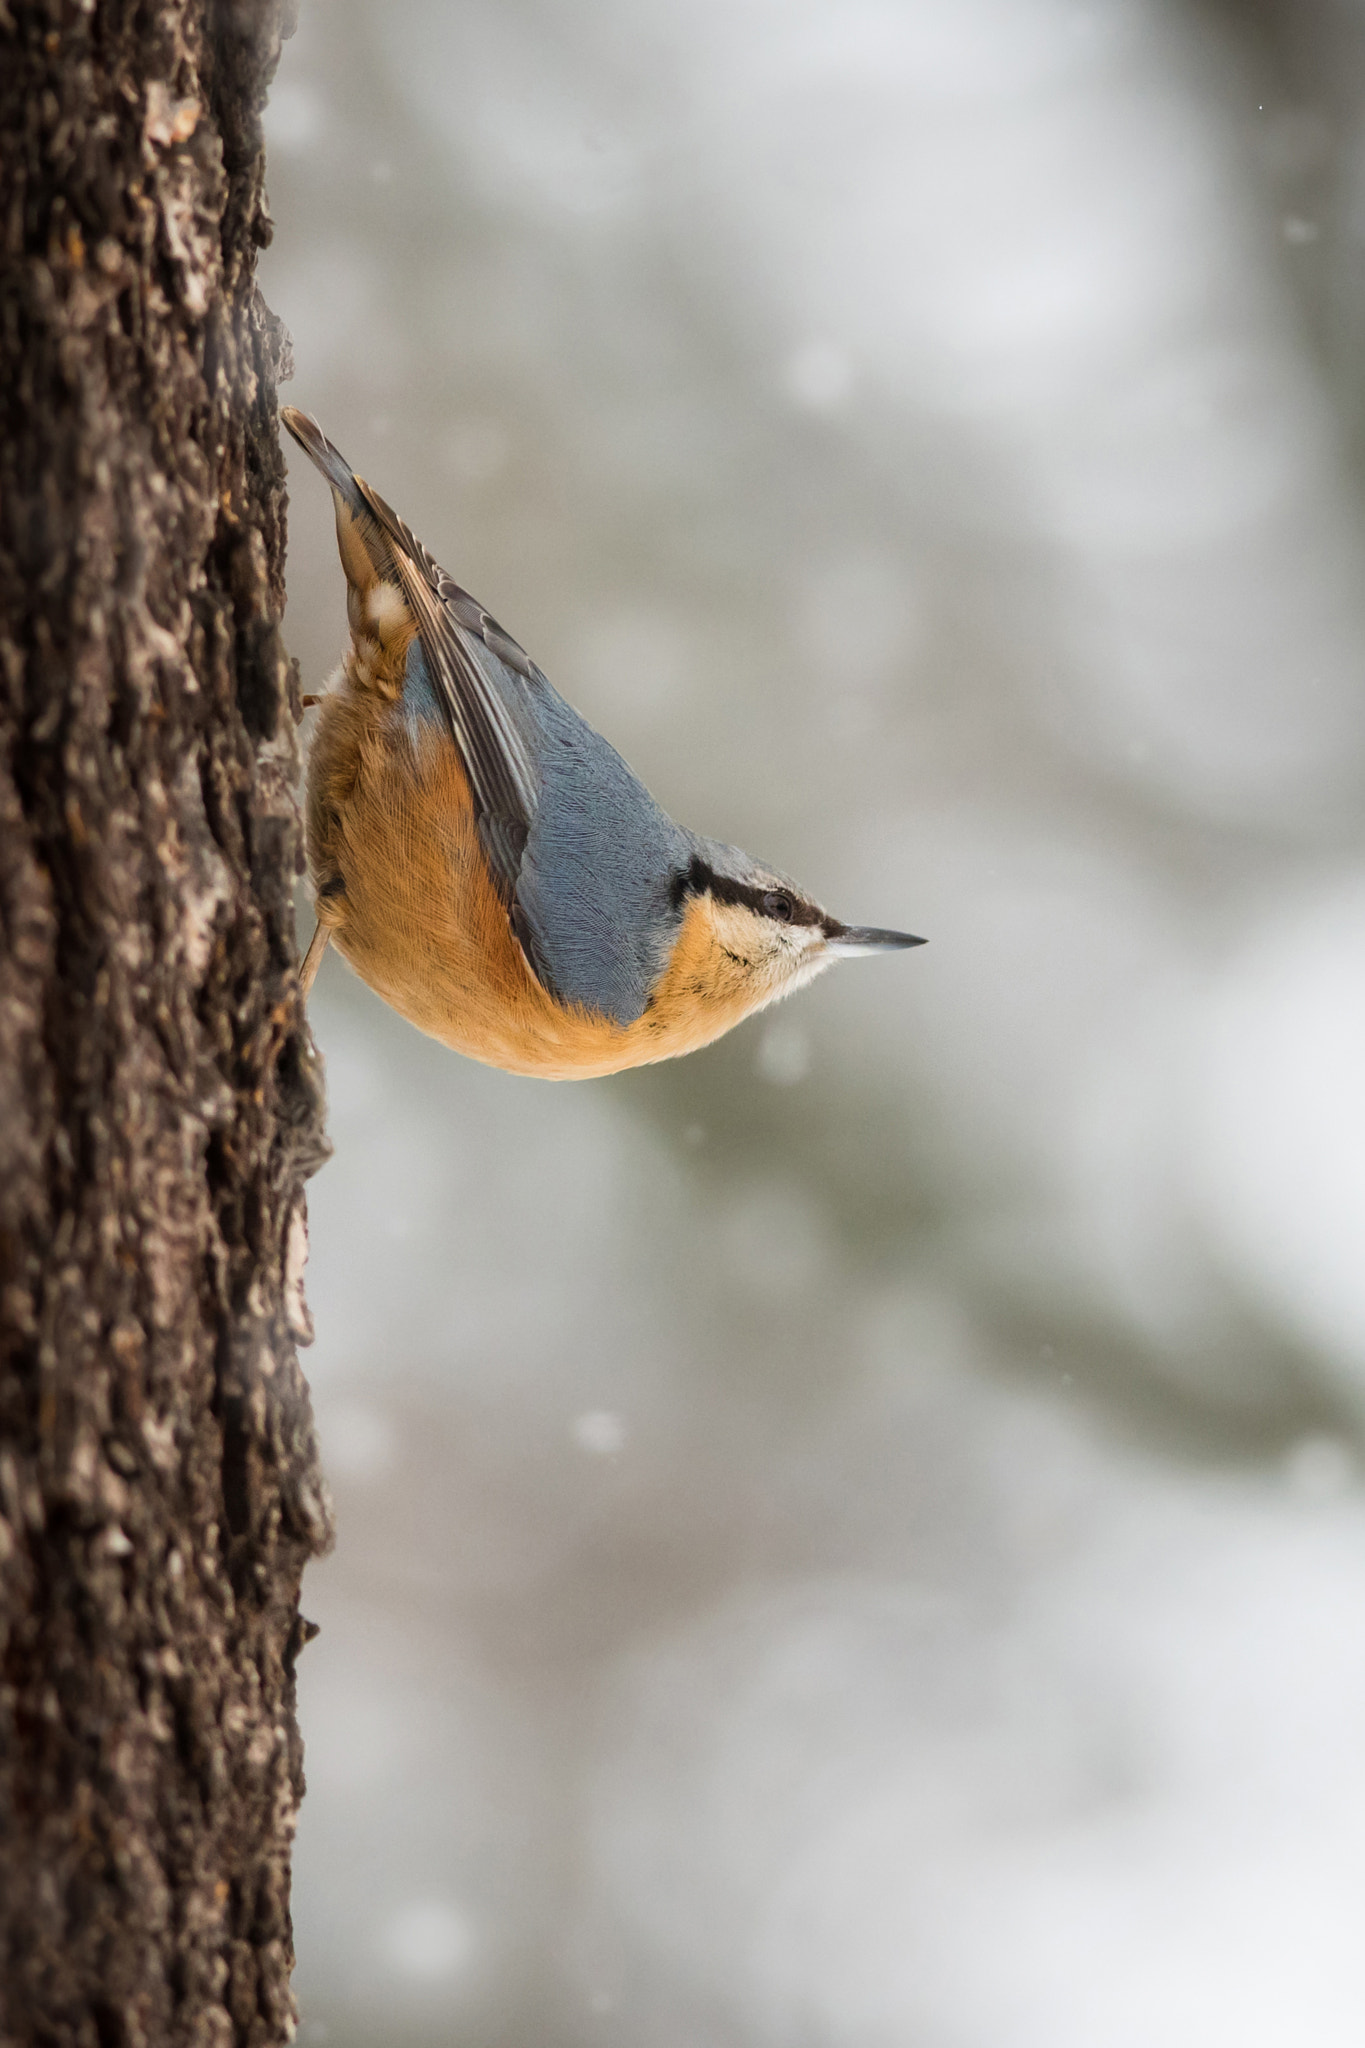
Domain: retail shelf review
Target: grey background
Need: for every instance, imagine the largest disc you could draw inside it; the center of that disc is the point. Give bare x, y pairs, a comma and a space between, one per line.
856, 1537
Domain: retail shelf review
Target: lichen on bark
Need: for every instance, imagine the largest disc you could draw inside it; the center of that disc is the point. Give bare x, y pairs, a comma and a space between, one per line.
160, 1101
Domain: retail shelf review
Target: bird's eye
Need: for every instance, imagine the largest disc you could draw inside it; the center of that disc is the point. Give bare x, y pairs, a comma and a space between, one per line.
778, 904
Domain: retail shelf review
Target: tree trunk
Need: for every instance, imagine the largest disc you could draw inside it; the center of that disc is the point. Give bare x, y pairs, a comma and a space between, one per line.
160, 1102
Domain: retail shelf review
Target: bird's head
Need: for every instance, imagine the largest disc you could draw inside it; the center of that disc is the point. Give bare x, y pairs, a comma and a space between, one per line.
751, 935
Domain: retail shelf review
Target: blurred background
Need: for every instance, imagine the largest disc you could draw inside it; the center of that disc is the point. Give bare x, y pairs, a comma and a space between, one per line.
857, 1537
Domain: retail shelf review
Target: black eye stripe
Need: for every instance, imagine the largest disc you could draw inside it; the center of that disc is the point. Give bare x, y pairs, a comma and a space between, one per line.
702, 880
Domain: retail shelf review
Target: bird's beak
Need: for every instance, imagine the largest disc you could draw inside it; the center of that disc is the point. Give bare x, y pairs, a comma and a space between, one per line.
863, 938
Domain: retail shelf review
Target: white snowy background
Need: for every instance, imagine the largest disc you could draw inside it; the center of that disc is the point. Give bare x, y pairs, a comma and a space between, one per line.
856, 1540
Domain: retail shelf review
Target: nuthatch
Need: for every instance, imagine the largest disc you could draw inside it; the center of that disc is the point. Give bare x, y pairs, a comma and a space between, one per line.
492, 868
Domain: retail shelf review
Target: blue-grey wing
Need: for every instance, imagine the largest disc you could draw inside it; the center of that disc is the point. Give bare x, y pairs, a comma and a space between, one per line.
581, 854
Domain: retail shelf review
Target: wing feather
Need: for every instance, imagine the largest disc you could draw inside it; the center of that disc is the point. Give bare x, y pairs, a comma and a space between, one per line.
457, 638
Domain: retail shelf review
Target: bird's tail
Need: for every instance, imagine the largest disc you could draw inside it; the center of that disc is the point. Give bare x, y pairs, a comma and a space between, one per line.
364, 526
322, 454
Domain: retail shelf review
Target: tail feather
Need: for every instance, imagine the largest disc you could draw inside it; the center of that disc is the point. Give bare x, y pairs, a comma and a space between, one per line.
320, 452
366, 549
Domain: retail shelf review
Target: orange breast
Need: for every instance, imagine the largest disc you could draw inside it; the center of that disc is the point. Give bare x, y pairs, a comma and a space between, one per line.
421, 922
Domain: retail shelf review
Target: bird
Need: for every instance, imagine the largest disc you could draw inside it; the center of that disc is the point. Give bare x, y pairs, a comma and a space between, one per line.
489, 864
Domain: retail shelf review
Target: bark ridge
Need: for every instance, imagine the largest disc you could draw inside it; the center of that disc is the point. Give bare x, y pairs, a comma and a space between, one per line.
160, 1100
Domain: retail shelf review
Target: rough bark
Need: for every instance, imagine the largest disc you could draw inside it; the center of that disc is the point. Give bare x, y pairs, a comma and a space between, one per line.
159, 1098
